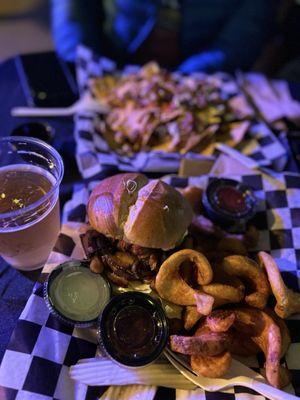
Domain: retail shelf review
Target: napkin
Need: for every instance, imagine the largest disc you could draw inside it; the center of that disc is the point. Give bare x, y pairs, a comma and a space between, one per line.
224, 165
101, 371
272, 98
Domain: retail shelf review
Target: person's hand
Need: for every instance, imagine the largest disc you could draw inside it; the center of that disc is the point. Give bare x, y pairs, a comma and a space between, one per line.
208, 61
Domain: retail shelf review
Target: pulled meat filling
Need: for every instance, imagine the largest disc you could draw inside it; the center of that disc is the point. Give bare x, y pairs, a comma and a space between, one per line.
123, 261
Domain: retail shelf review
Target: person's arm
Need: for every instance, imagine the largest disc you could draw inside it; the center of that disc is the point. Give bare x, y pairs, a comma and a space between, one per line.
239, 42
75, 22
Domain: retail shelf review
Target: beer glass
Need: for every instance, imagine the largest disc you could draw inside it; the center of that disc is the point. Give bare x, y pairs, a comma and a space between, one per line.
30, 175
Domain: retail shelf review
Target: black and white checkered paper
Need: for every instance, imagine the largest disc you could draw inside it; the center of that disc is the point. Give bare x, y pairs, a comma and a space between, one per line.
94, 155
41, 350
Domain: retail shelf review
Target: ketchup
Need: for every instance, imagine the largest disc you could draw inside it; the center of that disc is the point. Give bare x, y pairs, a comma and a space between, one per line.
230, 199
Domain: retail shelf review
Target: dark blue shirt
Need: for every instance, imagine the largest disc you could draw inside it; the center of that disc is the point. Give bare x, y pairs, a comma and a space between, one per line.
236, 28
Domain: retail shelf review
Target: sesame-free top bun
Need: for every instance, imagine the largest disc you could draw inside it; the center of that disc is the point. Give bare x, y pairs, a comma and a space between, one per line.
147, 213
110, 200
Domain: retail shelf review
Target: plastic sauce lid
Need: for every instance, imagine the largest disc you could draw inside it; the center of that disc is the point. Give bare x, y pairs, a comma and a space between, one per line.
75, 294
133, 329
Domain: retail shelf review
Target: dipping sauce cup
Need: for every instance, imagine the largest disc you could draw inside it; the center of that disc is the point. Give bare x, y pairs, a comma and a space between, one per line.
133, 329
75, 294
229, 203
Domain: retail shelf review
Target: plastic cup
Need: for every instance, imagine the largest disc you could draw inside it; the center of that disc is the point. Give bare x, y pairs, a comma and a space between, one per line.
29, 169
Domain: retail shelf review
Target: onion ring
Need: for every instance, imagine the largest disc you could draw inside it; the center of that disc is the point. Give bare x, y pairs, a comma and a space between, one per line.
204, 303
288, 301
190, 317
206, 344
247, 269
265, 333
284, 331
223, 293
220, 320
171, 286
211, 367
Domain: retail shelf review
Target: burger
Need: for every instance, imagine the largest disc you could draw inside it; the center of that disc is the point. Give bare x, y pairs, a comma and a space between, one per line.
134, 225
